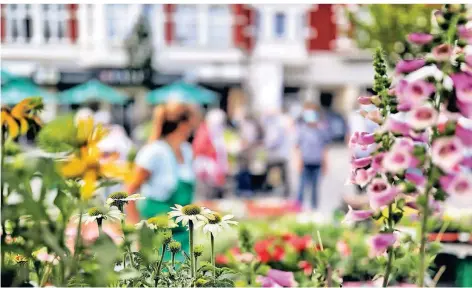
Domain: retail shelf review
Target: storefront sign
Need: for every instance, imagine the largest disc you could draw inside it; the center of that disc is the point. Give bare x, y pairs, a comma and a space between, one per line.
123, 77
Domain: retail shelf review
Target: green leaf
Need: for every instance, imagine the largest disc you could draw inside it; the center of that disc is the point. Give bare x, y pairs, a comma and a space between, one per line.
129, 273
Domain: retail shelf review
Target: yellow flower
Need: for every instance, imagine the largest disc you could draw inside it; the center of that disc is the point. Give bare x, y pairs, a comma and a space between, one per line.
87, 165
22, 112
88, 133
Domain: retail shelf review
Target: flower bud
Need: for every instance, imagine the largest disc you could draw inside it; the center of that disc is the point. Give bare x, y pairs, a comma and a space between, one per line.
167, 236
175, 247
364, 100
375, 100
198, 250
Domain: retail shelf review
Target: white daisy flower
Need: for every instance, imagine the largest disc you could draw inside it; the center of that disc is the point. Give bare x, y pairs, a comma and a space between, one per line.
118, 199
218, 223
157, 223
101, 213
191, 212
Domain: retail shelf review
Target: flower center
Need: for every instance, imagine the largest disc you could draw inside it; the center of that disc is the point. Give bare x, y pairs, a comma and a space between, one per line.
417, 90
424, 114
216, 220
94, 211
191, 210
118, 195
379, 187
159, 221
399, 158
443, 49
447, 149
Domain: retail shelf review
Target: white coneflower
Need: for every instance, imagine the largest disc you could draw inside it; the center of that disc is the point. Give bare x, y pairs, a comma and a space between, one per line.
119, 199
218, 223
190, 212
102, 213
161, 222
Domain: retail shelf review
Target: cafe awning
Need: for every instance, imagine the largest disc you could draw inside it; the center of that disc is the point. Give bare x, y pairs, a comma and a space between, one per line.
18, 89
184, 92
92, 90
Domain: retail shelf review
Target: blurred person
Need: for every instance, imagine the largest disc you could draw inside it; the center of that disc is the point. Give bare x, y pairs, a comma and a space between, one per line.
164, 172
211, 158
277, 141
312, 139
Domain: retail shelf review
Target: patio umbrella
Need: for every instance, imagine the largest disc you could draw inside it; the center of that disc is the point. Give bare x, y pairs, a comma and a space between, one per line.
18, 89
181, 91
92, 90
6, 76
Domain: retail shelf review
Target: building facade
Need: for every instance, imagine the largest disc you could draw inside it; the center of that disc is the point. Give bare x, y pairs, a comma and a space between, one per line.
275, 52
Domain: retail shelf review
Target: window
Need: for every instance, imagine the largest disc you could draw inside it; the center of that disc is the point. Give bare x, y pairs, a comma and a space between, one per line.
118, 22
219, 26
186, 25
280, 24
55, 18
18, 23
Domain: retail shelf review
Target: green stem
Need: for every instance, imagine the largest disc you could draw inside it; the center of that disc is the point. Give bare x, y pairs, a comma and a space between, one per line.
2, 163
196, 265
160, 263
173, 261
78, 235
212, 240
47, 271
388, 268
192, 261
424, 222
131, 260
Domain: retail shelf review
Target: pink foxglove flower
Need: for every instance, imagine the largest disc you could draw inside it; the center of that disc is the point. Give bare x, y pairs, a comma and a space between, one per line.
357, 215
398, 160
397, 127
373, 115
363, 176
414, 93
463, 84
465, 33
361, 162
380, 193
267, 282
442, 52
416, 178
377, 161
467, 162
43, 256
464, 134
420, 38
379, 243
447, 153
407, 66
362, 139
422, 117
457, 185
364, 100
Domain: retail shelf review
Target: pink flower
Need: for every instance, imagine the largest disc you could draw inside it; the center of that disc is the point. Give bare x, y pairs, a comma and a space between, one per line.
343, 248
463, 84
379, 243
357, 215
361, 162
442, 52
377, 162
464, 134
422, 117
43, 256
415, 178
465, 33
414, 93
465, 108
398, 160
267, 282
363, 176
420, 38
447, 153
90, 234
282, 278
380, 193
397, 127
467, 162
363, 139
373, 115
364, 100
457, 185
407, 66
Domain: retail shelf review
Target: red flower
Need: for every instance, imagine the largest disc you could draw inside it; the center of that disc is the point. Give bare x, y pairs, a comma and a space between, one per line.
300, 243
267, 251
343, 248
221, 259
288, 236
306, 266
235, 251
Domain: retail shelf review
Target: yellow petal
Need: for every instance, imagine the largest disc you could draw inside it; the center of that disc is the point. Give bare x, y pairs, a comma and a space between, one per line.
111, 169
13, 128
23, 126
87, 190
84, 129
19, 110
97, 134
73, 168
